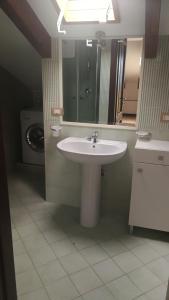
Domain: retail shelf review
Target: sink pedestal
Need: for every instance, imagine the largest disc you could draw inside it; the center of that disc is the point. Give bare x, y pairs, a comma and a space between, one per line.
90, 195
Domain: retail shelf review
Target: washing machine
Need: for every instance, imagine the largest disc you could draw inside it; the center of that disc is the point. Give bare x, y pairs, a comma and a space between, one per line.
32, 132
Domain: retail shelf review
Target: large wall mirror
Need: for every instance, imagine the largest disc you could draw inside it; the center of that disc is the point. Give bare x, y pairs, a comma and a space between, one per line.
101, 80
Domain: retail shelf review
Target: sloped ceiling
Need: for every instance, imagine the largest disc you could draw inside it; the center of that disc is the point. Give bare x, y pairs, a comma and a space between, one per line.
17, 55
21, 59
132, 15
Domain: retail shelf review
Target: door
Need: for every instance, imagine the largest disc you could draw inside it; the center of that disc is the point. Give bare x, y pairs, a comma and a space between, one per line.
150, 197
7, 272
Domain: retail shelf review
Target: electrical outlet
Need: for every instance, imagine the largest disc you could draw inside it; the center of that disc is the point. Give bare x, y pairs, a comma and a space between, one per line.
165, 117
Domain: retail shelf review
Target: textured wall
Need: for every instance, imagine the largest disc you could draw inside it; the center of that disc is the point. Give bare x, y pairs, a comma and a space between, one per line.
50, 71
63, 177
155, 89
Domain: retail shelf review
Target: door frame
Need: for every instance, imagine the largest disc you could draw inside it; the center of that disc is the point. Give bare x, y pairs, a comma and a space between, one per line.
7, 269
112, 87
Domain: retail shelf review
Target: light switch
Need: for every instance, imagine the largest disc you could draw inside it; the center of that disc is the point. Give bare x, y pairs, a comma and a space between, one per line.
165, 117
57, 111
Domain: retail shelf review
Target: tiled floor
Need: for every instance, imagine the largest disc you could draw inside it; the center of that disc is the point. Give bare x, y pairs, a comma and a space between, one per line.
57, 259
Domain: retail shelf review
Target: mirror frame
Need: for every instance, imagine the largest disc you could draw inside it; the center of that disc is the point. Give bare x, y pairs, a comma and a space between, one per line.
60, 88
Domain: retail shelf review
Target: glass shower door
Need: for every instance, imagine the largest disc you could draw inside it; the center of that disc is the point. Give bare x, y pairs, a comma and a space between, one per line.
87, 82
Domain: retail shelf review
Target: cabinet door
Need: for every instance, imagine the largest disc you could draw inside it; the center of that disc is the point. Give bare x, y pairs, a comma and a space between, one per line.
150, 197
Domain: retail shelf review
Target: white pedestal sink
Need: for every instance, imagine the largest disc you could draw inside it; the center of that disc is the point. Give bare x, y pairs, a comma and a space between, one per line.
91, 156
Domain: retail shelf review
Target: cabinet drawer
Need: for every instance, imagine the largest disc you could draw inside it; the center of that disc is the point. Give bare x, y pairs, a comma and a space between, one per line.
151, 157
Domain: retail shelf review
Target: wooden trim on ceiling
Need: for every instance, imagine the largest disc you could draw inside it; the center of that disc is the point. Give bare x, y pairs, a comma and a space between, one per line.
22, 15
116, 14
152, 22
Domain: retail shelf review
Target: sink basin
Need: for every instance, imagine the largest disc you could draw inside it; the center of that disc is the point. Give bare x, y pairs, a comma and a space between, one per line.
83, 151
91, 156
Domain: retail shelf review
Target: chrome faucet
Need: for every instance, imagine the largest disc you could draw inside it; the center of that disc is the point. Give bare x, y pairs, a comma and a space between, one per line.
93, 137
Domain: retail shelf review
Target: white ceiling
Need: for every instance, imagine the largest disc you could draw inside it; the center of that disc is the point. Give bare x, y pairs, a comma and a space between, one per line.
132, 14
17, 55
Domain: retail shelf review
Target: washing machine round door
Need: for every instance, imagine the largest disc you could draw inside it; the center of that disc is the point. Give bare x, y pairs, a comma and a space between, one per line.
35, 137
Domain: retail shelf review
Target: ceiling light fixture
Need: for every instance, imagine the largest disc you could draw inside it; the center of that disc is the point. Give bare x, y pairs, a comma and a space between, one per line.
83, 11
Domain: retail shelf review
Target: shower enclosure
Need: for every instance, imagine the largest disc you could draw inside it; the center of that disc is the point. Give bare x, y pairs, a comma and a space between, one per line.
93, 80
81, 80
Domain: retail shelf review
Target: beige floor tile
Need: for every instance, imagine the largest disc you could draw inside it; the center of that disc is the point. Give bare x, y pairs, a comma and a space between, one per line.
113, 247
18, 247
64, 247
160, 246
42, 232
131, 241
42, 256
158, 293
82, 242
62, 289
86, 280
51, 272
73, 262
15, 235
54, 235
25, 231
40, 294
94, 254
35, 242
107, 270
145, 253
123, 288
101, 293
40, 214
27, 282
127, 261
144, 279
46, 224
22, 220
22, 263
160, 268
143, 297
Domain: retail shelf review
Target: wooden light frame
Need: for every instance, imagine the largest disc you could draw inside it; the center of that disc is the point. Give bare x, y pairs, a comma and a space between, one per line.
115, 9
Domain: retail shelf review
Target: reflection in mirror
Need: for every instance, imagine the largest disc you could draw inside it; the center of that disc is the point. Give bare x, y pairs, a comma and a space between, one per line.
101, 80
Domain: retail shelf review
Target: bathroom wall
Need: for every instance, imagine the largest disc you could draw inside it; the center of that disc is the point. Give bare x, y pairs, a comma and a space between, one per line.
63, 177
155, 91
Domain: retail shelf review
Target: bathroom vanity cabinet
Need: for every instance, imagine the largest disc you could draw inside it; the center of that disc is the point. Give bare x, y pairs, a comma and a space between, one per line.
149, 207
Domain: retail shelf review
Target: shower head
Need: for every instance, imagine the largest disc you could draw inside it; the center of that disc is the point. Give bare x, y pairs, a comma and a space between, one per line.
101, 42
